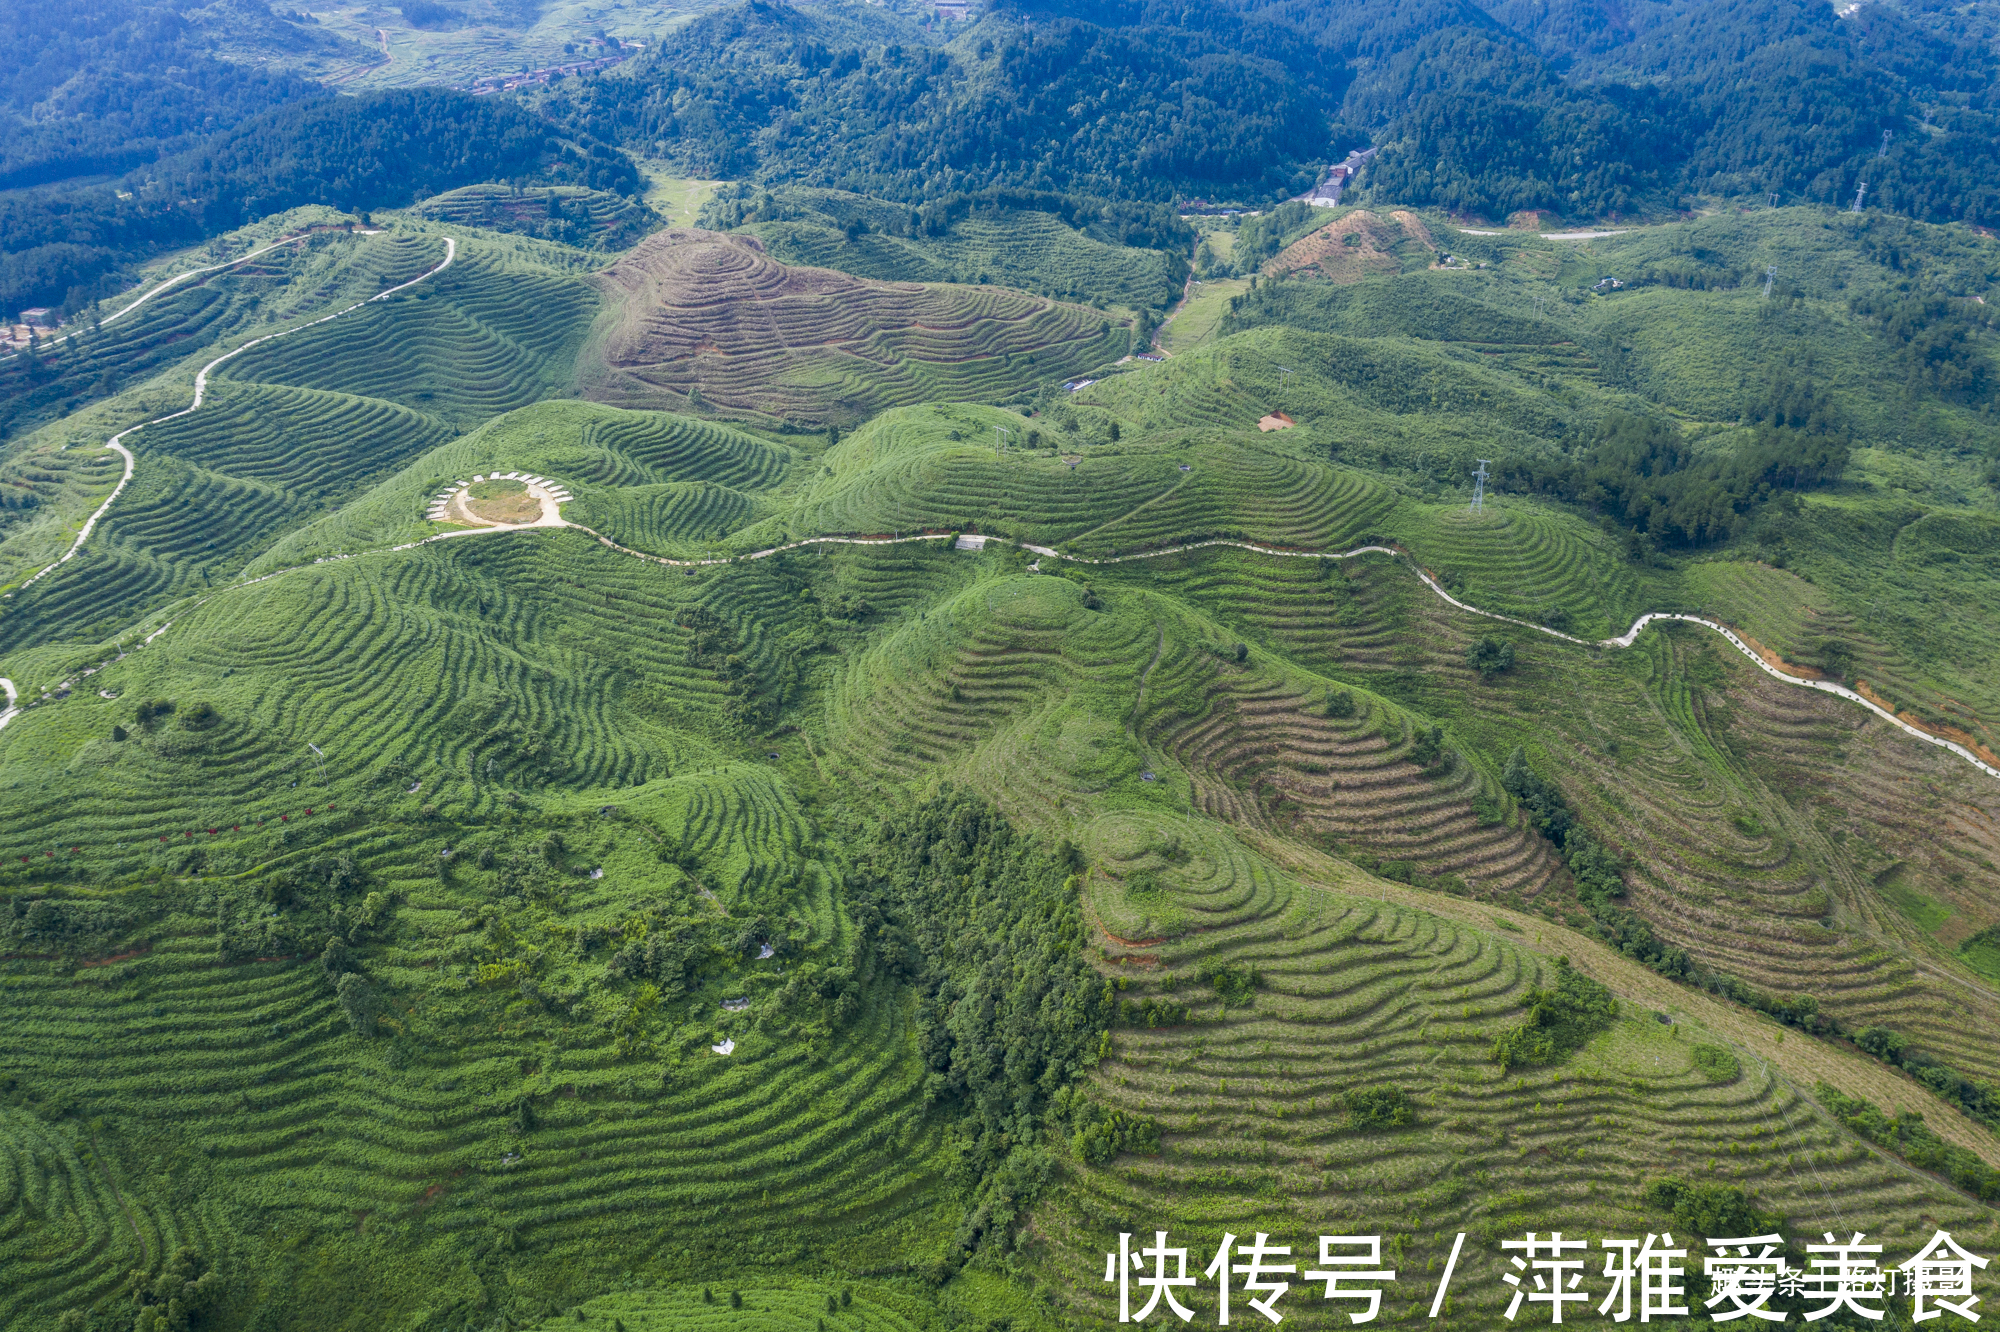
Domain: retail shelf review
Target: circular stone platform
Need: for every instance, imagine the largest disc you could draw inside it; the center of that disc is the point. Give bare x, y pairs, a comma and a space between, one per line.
501, 499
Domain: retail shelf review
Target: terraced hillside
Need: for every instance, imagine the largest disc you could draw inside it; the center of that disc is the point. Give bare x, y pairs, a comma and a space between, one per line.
712, 316
181, 308
1014, 247
1347, 1088
571, 214
495, 331
478, 1119
625, 468
735, 900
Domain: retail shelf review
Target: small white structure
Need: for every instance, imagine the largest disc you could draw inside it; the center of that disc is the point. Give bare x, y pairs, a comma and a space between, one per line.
441, 505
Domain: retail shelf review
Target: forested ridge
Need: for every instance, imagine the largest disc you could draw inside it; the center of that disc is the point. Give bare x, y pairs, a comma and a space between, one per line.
380, 150
1578, 109
1569, 109
100, 88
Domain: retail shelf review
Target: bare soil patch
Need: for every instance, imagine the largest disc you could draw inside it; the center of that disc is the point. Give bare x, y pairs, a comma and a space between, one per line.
1352, 247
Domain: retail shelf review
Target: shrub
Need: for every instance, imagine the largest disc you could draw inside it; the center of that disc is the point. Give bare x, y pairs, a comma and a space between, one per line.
357, 1001
1153, 1012
1378, 1107
1710, 1209
1915, 1141
152, 712
200, 716
1340, 703
1233, 984
334, 960
1490, 657
1102, 1134
120, 734
736, 1299
1560, 1020
1887, 1046
1716, 1064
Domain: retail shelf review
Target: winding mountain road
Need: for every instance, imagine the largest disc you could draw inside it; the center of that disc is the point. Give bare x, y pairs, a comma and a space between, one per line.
201, 388
179, 278
550, 520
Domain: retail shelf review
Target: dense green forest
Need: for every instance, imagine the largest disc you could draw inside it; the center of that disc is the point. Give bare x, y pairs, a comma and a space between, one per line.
1485, 114
96, 89
1562, 108
866, 104
380, 150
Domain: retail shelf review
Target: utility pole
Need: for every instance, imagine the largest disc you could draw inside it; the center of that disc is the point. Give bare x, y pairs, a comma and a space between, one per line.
1770, 273
1479, 486
1859, 195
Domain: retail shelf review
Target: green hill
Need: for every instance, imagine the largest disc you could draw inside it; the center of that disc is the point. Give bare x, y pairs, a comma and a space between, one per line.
734, 900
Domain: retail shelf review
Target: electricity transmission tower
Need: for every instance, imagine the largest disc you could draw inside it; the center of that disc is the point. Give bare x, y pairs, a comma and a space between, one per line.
1479, 486
1000, 434
1886, 136
1284, 378
1859, 195
1770, 273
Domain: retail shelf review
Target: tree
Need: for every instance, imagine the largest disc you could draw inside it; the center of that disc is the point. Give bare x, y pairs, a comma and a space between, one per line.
358, 1002
1428, 746
1490, 656
176, 1299
736, 1299
151, 711
333, 960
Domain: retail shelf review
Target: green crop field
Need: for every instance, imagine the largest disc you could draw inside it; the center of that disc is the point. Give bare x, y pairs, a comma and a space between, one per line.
902, 818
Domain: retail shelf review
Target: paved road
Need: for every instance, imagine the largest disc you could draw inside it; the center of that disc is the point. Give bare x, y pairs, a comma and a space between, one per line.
551, 518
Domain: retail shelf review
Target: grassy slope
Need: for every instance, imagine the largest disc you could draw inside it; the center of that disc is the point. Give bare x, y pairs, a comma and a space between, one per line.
480, 692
